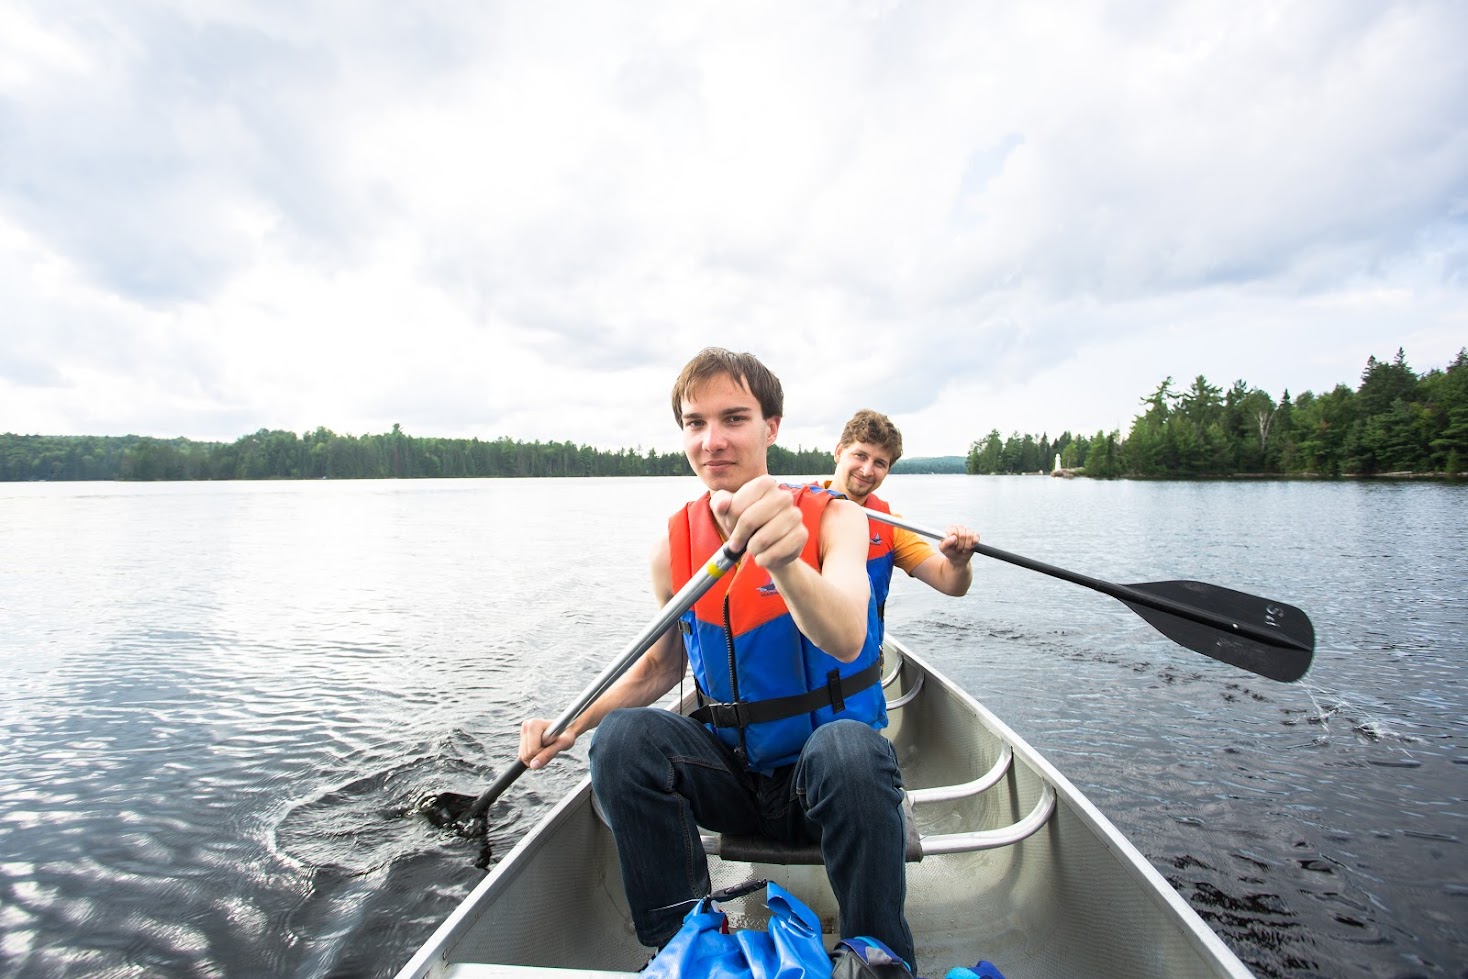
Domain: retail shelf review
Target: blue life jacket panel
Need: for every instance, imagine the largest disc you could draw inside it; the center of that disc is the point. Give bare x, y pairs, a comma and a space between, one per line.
747, 654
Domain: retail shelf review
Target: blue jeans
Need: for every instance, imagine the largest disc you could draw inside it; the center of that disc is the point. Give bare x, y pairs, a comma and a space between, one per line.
659, 776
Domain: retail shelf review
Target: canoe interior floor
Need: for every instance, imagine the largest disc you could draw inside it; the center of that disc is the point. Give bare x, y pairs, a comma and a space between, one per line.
474, 970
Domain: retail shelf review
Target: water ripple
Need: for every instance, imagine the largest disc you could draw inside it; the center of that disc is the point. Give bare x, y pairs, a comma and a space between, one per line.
218, 701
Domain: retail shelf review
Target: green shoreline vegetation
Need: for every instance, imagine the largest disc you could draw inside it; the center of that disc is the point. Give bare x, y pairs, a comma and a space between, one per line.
1395, 422
323, 454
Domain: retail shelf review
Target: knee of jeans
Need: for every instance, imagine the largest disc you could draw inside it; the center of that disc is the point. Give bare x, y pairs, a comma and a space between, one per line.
614, 734
853, 753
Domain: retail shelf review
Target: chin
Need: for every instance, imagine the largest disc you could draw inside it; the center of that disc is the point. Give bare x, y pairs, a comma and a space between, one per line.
722, 480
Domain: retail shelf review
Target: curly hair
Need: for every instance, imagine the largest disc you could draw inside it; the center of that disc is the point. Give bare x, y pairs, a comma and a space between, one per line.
873, 428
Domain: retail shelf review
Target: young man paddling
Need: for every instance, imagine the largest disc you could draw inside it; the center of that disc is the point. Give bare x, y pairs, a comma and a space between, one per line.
800, 759
870, 444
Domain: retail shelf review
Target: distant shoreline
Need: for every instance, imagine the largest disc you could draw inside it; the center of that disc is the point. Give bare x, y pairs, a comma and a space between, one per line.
1252, 477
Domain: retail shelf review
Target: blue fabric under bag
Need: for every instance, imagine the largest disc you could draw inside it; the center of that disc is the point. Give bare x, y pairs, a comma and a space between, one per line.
704, 949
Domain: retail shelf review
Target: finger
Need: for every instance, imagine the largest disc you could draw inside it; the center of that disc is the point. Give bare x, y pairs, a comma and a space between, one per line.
782, 552
779, 541
547, 752
963, 537
529, 740
762, 516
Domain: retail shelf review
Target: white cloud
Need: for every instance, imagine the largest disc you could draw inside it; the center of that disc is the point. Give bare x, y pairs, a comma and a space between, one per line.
521, 219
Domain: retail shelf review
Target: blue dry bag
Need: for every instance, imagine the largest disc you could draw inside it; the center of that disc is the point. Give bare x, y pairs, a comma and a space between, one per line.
704, 948
867, 958
984, 970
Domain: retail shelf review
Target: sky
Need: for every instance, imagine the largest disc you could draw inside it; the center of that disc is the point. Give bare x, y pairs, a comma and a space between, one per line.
487, 219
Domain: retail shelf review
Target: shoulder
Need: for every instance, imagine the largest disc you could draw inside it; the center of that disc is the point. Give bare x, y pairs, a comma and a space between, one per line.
843, 519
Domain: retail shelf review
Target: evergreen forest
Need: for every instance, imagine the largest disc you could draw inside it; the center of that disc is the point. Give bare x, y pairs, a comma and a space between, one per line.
1395, 421
323, 454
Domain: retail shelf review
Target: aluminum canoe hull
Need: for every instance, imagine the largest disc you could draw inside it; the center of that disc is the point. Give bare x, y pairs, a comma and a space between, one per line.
1027, 873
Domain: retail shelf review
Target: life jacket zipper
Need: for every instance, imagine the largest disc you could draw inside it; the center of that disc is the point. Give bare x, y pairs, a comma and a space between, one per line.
743, 750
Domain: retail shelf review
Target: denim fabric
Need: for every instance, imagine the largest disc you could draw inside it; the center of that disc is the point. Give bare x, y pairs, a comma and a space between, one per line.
659, 776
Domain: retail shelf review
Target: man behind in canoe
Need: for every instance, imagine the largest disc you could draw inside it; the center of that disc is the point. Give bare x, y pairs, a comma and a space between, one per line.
815, 770
870, 445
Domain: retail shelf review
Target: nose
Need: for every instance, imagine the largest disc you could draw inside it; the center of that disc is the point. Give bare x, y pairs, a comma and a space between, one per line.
714, 437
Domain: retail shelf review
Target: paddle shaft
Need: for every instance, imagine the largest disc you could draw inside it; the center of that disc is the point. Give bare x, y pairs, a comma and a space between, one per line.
712, 571
1123, 593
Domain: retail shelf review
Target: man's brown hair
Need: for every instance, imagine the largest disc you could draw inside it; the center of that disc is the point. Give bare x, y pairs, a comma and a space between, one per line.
744, 368
873, 428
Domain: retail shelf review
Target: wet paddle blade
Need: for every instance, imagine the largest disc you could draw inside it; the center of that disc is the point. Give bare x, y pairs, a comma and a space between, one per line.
1260, 635
444, 809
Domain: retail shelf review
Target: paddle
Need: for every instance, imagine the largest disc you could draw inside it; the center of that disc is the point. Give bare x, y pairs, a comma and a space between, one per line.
466, 814
1260, 635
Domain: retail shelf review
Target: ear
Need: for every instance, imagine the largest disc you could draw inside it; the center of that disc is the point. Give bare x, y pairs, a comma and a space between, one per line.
772, 429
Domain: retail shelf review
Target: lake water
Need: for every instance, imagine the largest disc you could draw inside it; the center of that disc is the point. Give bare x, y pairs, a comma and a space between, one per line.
217, 697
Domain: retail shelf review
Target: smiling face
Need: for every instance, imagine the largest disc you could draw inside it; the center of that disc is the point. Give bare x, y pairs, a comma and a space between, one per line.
860, 469
725, 435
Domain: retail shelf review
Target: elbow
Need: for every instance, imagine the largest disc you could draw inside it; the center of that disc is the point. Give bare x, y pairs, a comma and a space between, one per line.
848, 646
959, 582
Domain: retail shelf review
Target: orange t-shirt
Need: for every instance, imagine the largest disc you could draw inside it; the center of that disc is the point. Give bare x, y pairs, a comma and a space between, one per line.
908, 549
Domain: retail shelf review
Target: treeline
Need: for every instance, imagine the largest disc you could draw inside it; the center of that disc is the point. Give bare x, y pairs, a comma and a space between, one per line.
323, 454
928, 465
1395, 421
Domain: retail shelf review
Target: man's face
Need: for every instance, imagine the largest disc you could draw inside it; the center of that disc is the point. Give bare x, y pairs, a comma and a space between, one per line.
725, 436
860, 469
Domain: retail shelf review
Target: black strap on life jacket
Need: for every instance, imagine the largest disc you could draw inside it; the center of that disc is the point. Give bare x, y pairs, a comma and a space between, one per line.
832, 695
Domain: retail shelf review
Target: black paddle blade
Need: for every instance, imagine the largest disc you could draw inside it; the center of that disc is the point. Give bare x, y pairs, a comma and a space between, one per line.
1260, 635
451, 810
447, 810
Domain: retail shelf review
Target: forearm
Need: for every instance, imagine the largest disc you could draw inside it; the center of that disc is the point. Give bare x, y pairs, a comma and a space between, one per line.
943, 575
957, 578
829, 609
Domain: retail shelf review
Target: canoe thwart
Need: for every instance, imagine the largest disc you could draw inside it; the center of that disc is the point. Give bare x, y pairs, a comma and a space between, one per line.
951, 793
907, 696
992, 839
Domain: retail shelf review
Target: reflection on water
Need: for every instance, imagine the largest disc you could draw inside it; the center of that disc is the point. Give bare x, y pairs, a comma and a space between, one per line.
218, 700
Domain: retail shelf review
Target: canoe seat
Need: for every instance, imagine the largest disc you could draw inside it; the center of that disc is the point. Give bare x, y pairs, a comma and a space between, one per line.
761, 849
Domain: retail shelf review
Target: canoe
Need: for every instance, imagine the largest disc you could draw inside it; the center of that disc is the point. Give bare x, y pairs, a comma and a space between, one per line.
1015, 867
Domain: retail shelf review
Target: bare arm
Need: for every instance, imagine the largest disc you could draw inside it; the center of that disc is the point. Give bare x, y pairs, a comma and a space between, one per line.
948, 571
829, 605
833, 613
654, 674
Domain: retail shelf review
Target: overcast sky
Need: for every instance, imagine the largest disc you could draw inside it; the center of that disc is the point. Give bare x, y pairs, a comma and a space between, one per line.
521, 219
